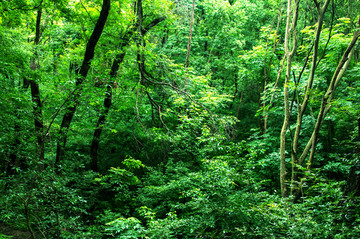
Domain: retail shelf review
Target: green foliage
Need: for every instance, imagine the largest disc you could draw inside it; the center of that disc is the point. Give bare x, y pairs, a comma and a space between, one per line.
195, 200
125, 228
224, 200
2, 236
314, 217
184, 153
118, 185
54, 205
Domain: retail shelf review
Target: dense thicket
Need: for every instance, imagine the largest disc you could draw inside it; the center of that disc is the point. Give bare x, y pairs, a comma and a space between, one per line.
179, 119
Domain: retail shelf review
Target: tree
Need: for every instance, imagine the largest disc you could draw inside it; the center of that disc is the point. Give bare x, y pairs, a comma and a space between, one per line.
125, 41
297, 158
291, 22
89, 54
148, 146
35, 94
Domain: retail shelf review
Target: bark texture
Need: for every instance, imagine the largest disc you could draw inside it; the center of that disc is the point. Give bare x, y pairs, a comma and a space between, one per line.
291, 22
302, 108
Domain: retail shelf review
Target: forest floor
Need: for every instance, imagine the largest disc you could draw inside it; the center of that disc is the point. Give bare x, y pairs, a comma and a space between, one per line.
12, 233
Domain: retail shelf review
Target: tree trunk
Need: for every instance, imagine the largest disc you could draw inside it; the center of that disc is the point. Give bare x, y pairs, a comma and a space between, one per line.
326, 99
326, 105
89, 54
14, 157
36, 99
294, 159
107, 104
108, 93
237, 114
290, 26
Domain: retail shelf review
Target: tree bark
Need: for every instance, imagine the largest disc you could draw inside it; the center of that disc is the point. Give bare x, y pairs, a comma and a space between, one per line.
89, 55
290, 27
326, 105
295, 141
352, 187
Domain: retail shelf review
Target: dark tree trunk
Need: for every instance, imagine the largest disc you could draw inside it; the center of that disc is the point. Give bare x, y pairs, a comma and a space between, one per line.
35, 95
203, 17
89, 54
235, 92
108, 100
39, 125
107, 104
165, 38
108, 93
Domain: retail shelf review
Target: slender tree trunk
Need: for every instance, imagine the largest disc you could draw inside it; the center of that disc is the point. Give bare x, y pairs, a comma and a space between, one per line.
235, 92
206, 43
294, 159
203, 17
35, 95
190, 35
291, 22
107, 104
89, 55
326, 99
27, 217
326, 105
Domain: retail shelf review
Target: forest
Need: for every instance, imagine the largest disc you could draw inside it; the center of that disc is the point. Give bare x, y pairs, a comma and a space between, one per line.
179, 119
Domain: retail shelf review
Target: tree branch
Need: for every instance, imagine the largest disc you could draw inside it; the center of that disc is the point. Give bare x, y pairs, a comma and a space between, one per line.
153, 24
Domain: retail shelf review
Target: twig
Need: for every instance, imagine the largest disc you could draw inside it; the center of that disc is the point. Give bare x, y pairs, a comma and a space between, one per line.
57, 112
153, 102
87, 13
